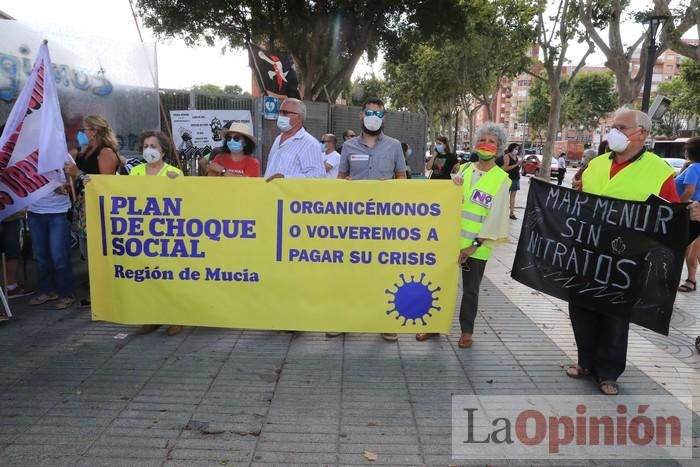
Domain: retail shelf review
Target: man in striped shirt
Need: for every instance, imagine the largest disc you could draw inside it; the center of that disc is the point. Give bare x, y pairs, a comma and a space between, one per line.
295, 153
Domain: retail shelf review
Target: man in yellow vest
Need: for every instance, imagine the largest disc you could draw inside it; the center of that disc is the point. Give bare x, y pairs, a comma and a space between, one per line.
485, 210
629, 172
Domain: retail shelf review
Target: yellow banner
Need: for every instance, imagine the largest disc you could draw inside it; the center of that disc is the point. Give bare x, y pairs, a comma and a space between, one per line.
307, 255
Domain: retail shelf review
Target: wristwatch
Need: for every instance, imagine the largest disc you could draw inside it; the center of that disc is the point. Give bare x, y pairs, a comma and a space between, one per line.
476, 242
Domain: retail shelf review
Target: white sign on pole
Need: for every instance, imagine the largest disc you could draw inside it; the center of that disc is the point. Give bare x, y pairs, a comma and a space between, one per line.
200, 128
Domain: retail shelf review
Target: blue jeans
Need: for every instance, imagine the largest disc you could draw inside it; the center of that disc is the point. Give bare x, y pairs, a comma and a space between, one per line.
51, 245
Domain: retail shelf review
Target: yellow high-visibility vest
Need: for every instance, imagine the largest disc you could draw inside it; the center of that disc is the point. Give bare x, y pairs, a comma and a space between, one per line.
477, 201
635, 182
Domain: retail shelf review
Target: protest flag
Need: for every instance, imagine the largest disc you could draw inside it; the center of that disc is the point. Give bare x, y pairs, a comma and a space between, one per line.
33, 144
275, 71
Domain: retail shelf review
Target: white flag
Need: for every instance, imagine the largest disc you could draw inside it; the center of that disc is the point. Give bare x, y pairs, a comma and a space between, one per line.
33, 144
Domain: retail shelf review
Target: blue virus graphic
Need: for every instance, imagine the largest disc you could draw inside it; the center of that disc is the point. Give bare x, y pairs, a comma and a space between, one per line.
412, 300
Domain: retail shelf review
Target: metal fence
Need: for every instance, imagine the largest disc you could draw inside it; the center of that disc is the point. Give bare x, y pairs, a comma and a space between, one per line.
321, 118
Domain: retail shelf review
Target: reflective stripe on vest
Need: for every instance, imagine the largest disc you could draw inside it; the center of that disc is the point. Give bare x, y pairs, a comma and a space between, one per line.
477, 201
635, 182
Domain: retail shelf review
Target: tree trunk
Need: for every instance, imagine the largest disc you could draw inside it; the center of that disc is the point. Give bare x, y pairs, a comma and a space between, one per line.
556, 99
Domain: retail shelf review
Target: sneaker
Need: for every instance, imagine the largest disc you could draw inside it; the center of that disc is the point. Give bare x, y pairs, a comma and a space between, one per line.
43, 298
147, 328
390, 337
65, 302
174, 330
19, 291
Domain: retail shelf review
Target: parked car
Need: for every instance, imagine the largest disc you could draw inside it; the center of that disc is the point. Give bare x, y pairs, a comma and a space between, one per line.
675, 163
531, 164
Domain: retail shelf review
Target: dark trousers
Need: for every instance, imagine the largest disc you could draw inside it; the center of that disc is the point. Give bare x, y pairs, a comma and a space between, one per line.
560, 176
472, 273
601, 342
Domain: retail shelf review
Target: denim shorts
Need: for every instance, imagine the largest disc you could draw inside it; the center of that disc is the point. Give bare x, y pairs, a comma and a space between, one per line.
515, 185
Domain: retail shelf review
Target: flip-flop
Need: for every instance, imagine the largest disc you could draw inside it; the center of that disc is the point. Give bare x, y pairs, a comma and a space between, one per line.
608, 387
577, 372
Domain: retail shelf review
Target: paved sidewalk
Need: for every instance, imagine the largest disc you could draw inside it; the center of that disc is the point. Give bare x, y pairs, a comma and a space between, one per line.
72, 394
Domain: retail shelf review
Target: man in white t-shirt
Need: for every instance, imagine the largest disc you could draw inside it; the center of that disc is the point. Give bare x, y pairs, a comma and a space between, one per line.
331, 158
561, 161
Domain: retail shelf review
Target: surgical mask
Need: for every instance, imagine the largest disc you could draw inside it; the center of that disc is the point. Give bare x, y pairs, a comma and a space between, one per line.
82, 139
151, 155
324, 147
409, 152
440, 147
486, 151
234, 146
283, 123
372, 122
617, 140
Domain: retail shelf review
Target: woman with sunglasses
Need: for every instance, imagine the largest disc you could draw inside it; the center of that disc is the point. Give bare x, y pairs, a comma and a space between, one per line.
234, 159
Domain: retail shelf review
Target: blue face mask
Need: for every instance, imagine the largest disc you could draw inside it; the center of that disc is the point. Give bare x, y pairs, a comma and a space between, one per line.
324, 147
440, 148
82, 139
234, 146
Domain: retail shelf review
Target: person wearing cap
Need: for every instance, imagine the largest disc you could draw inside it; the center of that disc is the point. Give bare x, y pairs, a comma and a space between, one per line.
234, 159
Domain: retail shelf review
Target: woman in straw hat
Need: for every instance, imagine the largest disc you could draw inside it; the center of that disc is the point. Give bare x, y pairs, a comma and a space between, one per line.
234, 158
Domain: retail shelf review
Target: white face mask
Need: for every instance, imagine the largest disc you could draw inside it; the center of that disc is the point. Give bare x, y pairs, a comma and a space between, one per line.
151, 155
283, 123
372, 122
617, 140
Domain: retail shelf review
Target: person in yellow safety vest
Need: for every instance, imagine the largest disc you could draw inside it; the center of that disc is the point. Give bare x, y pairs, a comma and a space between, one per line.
629, 172
485, 210
156, 146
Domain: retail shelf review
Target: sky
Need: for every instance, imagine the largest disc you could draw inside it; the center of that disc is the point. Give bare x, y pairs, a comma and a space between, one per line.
179, 66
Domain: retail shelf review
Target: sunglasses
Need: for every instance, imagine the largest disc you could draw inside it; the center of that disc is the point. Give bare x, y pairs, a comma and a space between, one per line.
378, 113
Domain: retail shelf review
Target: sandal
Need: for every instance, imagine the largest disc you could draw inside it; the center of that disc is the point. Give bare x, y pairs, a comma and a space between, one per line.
697, 343
465, 341
608, 387
688, 288
578, 372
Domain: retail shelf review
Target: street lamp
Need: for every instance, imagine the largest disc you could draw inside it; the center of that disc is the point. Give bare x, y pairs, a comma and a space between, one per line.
654, 24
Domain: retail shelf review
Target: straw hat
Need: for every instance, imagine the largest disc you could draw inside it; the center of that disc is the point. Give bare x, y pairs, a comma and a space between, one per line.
241, 128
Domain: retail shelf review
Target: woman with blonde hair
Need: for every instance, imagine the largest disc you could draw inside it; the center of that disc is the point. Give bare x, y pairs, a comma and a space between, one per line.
97, 156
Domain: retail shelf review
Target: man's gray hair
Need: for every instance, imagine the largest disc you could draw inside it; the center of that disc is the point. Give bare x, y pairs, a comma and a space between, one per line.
300, 106
493, 129
640, 118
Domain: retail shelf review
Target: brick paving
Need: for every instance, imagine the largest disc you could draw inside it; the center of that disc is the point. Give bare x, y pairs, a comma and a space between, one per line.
72, 394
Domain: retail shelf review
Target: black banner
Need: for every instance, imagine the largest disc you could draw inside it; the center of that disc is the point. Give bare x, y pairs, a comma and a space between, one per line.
622, 258
275, 71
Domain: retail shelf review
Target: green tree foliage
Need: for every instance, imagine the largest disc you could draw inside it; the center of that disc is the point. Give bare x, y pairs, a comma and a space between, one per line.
365, 87
496, 46
423, 83
326, 38
230, 89
684, 92
591, 97
599, 15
